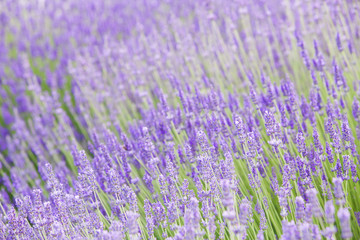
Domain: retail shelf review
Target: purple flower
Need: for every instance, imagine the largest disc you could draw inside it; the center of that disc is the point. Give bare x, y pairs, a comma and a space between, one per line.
245, 211
338, 42
305, 231
316, 139
344, 218
338, 190
329, 212
132, 225
329, 232
269, 122
300, 208
311, 194
329, 153
346, 163
356, 109
289, 230
192, 219
347, 135
263, 221
300, 142
357, 216
354, 172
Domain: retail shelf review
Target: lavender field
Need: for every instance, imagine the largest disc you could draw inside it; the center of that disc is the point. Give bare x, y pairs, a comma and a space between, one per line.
169, 119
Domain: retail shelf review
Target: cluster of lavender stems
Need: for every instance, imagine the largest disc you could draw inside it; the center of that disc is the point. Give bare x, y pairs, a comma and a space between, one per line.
177, 120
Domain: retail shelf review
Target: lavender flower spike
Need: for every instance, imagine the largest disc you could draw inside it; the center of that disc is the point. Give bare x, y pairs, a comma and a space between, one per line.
344, 218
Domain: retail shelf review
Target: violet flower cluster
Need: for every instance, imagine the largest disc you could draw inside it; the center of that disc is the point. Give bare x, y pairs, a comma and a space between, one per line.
179, 120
